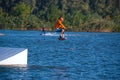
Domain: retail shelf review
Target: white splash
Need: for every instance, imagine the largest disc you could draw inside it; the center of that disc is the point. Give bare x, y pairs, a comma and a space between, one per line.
50, 34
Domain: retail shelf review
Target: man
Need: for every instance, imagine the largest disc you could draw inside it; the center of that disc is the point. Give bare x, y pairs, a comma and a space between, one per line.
60, 27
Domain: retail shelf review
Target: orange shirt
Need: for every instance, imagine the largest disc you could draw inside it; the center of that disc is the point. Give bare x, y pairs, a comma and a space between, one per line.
59, 24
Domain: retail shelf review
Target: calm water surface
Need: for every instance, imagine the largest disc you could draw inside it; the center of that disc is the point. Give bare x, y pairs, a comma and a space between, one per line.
83, 56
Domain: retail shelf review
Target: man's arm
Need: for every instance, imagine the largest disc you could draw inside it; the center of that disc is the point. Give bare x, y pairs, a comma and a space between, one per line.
61, 25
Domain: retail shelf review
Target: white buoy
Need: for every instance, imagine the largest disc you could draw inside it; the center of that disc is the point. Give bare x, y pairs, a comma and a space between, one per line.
2, 34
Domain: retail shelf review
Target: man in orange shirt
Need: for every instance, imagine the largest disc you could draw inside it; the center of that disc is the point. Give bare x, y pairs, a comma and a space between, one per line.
60, 27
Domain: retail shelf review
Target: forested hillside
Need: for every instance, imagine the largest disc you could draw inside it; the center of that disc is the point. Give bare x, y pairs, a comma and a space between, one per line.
79, 15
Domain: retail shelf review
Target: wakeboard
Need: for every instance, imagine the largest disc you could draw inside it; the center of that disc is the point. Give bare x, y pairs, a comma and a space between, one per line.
60, 38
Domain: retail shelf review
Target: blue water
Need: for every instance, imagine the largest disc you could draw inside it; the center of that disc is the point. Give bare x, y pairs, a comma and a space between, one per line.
83, 56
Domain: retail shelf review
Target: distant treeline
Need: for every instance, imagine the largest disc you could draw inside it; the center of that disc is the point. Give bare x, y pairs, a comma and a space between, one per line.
79, 15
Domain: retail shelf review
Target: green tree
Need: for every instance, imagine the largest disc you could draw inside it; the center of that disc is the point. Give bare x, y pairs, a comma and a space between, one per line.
53, 13
21, 10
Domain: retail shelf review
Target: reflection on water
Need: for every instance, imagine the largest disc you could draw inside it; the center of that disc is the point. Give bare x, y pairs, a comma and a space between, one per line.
35, 72
83, 56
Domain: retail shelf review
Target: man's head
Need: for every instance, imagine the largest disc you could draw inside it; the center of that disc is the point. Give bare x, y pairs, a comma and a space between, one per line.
61, 18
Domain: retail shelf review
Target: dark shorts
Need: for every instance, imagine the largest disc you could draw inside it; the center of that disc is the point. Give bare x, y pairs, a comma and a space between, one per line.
58, 30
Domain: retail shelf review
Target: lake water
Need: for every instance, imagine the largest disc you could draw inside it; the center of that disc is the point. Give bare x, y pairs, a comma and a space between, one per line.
83, 56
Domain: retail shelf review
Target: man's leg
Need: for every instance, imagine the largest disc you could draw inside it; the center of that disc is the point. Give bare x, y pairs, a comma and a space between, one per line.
62, 33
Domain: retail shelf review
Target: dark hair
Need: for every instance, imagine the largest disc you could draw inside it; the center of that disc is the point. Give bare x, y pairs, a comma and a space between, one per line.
60, 17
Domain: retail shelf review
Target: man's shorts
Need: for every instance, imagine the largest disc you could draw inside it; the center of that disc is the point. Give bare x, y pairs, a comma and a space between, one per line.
58, 30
